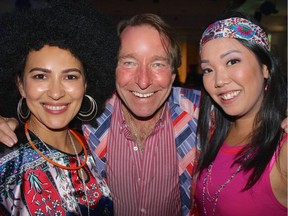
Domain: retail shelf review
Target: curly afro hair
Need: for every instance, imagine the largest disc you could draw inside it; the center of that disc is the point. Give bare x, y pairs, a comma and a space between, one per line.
88, 35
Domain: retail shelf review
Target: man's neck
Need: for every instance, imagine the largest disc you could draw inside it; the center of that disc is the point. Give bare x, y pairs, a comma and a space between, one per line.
141, 128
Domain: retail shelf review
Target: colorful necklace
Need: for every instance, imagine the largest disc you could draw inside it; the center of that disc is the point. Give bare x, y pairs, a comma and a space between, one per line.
81, 174
53, 162
215, 196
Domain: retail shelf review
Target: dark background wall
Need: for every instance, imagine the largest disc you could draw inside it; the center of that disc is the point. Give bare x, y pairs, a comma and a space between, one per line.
189, 18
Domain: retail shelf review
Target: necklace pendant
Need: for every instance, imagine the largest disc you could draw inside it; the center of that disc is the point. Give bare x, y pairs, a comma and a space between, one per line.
82, 174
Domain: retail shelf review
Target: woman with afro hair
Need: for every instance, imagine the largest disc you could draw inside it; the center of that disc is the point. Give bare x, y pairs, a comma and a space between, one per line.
54, 61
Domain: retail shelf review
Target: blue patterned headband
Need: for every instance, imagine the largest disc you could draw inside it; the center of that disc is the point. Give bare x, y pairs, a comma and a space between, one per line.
235, 28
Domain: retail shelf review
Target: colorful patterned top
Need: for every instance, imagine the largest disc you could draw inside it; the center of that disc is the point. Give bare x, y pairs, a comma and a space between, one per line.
29, 185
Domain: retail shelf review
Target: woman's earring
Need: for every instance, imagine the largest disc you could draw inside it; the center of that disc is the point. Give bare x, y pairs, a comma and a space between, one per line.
267, 84
22, 115
91, 112
266, 87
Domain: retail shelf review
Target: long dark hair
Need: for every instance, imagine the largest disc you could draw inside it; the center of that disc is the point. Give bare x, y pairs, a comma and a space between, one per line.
267, 132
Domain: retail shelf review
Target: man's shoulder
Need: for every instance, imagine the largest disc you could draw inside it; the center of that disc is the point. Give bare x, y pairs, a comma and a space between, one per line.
180, 94
184, 100
93, 134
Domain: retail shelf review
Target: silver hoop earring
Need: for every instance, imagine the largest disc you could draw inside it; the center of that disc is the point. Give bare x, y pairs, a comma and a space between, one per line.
21, 115
91, 112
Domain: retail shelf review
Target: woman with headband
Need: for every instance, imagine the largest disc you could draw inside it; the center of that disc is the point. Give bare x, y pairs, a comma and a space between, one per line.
242, 167
61, 57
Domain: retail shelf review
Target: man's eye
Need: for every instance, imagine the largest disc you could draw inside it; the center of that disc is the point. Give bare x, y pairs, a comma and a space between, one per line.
158, 65
128, 64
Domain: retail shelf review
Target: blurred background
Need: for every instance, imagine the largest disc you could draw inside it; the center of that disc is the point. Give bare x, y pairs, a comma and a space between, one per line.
189, 18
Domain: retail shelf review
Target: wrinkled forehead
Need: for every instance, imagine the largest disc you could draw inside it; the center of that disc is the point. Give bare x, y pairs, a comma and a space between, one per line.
142, 41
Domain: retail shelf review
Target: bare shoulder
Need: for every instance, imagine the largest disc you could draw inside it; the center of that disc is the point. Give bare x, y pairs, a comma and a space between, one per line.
283, 159
278, 175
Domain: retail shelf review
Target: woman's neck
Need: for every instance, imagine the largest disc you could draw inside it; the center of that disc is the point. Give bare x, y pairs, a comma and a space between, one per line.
59, 139
240, 132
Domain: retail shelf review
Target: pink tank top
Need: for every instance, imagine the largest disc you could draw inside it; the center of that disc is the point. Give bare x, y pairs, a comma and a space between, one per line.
259, 200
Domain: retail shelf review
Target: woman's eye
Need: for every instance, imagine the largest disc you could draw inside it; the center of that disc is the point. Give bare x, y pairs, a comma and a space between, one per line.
233, 61
72, 77
39, 76
206, 70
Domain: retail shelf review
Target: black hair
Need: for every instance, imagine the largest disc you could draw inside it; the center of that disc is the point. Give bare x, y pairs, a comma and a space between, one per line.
75, 26
267, 132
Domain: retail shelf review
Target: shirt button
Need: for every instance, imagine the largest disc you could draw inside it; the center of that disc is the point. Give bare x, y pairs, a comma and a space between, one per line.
135, 148
143, 210
139, 179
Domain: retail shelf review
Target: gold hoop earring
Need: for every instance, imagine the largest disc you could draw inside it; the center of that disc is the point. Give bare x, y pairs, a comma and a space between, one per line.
91, 112
21, 115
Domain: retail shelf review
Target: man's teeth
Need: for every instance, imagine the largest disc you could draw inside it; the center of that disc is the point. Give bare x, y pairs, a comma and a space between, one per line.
54, 107
142, 95
230, 95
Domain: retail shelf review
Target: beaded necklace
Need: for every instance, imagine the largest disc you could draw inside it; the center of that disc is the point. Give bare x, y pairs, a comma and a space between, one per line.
215, 196
51, 161
82, 174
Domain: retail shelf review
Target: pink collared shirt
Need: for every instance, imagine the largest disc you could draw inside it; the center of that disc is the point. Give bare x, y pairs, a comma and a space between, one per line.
144, 183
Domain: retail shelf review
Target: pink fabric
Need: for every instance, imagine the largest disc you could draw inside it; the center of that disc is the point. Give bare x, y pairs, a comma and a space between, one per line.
259, 200
154, 174
273, 160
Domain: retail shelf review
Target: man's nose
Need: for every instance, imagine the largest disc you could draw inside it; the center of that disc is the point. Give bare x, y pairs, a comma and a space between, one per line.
144, 76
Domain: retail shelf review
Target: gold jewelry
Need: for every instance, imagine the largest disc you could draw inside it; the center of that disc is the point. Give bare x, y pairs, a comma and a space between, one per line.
51, 161
139, 136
